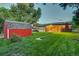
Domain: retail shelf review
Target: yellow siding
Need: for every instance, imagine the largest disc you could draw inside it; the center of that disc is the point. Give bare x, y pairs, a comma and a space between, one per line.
54, 28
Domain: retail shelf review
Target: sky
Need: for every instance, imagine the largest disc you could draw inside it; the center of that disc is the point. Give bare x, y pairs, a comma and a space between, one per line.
51, 13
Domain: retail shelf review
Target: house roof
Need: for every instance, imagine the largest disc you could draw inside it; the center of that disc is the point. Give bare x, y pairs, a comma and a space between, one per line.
57, 23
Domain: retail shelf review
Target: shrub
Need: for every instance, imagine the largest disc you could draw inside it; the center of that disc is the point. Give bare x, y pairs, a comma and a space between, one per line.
15, 38
1, 25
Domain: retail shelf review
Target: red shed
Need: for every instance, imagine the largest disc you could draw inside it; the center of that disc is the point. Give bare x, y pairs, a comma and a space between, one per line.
19, 28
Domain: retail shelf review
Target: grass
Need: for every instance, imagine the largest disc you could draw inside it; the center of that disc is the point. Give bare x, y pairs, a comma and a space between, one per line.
51, 44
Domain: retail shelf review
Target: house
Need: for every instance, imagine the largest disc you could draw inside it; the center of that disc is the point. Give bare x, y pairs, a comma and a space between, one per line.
41, 27
17, 28
55, 27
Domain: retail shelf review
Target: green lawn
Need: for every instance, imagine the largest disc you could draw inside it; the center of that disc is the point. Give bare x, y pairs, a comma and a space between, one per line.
43, 44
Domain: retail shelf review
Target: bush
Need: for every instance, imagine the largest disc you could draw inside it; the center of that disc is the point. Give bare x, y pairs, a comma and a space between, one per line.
1, 25
15, 38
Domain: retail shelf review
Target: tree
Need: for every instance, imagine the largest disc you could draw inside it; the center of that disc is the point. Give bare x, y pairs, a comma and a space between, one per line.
73, 5
25, 12
4, 13
75, 20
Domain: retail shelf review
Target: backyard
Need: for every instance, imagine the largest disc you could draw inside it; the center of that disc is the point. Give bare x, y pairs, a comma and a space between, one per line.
42, 44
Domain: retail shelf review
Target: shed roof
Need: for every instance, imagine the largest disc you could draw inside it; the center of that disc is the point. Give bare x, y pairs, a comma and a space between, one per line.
17, 25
